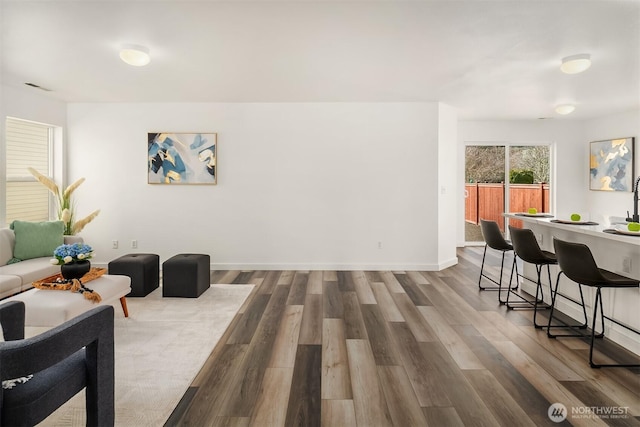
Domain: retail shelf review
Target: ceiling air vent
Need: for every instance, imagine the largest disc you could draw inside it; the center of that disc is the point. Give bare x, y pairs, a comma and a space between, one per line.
38, 87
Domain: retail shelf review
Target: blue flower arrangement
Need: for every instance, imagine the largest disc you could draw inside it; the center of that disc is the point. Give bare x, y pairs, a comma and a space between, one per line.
66, 254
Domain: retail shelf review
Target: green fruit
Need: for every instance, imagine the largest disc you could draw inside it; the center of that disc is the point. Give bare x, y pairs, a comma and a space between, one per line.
575, 217
634, 226
533, 211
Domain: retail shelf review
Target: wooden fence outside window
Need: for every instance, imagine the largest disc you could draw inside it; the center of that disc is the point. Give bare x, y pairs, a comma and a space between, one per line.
486, 201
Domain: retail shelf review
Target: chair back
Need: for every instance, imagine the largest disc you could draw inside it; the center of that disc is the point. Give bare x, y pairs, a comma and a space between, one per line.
493, 236
526, 246
577, 263
78, 354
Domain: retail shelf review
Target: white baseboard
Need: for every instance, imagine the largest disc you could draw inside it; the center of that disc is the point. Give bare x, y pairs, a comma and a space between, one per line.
334, 266
326, 266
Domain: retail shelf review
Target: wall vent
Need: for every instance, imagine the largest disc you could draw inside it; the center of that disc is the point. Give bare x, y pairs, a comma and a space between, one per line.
38, 87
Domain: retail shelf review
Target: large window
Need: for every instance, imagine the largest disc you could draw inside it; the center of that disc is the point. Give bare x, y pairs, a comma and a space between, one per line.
504, 178
28, 144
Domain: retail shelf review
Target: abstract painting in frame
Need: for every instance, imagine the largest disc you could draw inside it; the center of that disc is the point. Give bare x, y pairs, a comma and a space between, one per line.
182, 158
611, 165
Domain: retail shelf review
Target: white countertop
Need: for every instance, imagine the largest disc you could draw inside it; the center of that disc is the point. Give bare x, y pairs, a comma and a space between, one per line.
604, 223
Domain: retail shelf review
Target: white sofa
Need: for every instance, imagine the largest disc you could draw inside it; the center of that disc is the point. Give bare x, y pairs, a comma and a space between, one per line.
15, 278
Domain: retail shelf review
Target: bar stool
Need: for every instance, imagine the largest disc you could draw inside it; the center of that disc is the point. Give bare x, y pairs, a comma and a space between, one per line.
493, 239
527, 249
577, 263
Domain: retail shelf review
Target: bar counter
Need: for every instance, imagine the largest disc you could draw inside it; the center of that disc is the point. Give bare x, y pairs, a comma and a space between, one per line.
619, 253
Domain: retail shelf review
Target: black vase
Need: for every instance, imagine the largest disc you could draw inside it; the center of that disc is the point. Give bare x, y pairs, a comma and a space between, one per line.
75, 270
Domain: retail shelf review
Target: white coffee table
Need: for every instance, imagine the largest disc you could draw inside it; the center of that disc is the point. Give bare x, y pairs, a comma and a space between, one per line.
44, 307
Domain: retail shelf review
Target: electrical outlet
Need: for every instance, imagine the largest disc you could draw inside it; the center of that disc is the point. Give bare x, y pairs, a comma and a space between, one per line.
379, 245
626, 264
134, 244
114, 244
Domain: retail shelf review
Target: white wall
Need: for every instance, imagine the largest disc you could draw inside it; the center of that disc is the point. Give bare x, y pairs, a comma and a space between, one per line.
611, 127
299, 185
447, 184
26, 103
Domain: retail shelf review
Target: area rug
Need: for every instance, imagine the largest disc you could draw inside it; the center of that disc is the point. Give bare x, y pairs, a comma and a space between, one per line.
159, 350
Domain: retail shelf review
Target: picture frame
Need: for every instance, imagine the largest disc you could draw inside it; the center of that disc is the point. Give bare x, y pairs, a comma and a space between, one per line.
611, 164
182, 158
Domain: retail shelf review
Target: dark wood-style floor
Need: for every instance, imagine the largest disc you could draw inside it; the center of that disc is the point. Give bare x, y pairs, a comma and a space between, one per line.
337, 348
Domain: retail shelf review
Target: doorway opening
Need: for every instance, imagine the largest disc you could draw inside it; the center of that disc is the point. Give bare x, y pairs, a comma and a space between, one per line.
504, 178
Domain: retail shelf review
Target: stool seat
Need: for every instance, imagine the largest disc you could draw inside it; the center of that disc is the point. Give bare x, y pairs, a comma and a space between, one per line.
143, 269
186, 275
609, 279
547, 258
528, 249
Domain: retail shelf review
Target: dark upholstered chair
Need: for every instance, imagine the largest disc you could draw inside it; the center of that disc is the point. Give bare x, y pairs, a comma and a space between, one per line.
493, 239
577, 263
74, 355
527, 249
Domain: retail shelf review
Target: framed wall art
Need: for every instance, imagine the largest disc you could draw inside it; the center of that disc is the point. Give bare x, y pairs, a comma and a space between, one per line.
182, 158
611, 165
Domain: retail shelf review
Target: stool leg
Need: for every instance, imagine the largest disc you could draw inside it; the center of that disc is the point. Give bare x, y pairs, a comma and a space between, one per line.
601, 315
513, 265
540, 301
536, 301
601, 335
482, 268
525, 303
509, 290
501, 271
554, 296
584, 309
486, 276
593, 329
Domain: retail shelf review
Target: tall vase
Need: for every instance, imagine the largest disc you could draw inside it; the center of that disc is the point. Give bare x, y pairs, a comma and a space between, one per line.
75, 270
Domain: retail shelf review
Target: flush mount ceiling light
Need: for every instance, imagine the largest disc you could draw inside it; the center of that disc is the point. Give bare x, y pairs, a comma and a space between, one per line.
565, 109
575, 64
135, 55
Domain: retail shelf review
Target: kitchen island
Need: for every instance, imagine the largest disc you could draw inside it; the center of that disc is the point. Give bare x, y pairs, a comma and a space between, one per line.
612, 251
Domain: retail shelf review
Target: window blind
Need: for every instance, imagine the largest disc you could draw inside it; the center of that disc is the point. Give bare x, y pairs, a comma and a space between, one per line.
27, 145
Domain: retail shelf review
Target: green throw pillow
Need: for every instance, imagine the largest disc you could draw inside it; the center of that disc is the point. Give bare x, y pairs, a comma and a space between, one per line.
37, 239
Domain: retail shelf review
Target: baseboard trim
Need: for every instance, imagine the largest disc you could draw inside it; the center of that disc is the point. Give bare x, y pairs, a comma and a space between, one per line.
334, 266
327, 266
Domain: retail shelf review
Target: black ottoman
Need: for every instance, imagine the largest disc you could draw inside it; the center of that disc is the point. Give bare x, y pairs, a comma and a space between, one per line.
143, 269
185, 275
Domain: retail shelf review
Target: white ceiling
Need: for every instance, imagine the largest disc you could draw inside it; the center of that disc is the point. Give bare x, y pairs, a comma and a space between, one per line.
490, 59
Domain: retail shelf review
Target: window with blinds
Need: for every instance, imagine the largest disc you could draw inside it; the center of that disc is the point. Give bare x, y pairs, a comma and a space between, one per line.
28, 144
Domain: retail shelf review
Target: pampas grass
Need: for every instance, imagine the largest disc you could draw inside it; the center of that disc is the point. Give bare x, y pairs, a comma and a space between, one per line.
79, 225
66, 208
70, 189
45, 180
